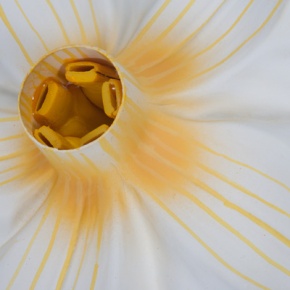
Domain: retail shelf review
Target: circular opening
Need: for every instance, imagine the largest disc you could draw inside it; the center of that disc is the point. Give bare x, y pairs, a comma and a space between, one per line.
70, 98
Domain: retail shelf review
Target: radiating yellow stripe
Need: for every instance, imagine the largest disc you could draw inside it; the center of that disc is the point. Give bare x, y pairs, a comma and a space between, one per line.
14, 35
16, 154
99, 242
241, 45
51, 68
18, 176
82, 259
108, 148
180, 45
242, 189
215, 216
95, 274
74, 166
38, 73
283, 239
223, 178
64, 33
73, 241
203, 244
27, 99
188, 38
151, 22
25, 113
82, 54
243, 212
243, 165
235, 207
12, 137
88, 160
58, 58
100, 233
26, 117
218, 219
9, 119
227, 32
204, 147
77, 164
235, 232
49, 249
91, 218
26, 103
12, 168
95, 21
132, 81
176, 21
19, 165
100, 226
29, 247
31, 26
13, 178
80, 23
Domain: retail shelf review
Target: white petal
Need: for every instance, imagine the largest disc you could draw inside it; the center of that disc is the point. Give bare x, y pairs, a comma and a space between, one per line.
255, 87
185, 200
31, 30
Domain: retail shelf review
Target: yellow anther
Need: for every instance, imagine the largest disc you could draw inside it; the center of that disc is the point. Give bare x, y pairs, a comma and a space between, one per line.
83, 72
94, 93
95, 134
75, 127
49, 137
52, 104
66, 110
74, 141
112, 97
84, 109
90, 76
81, 111
40, 138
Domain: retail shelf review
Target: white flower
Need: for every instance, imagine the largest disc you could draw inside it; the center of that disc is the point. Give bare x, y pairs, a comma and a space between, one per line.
190, 187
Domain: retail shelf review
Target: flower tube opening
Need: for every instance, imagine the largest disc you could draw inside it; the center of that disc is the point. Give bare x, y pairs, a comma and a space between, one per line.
62, 102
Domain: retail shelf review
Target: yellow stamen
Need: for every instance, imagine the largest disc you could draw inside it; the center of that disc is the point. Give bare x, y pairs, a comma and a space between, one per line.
86, 117
66, 110
75, 127
52, 104
92, 115
81, 111
95, 134
49, 137
112, 97
74, 141
90, 76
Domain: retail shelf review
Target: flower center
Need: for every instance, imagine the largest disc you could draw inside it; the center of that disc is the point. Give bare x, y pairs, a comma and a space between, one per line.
74, 100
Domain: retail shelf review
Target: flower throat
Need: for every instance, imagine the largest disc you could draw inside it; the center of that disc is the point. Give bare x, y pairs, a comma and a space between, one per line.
77, 111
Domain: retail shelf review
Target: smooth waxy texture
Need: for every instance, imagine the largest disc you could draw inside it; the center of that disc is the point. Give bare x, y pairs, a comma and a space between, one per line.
112, 96
53, 104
